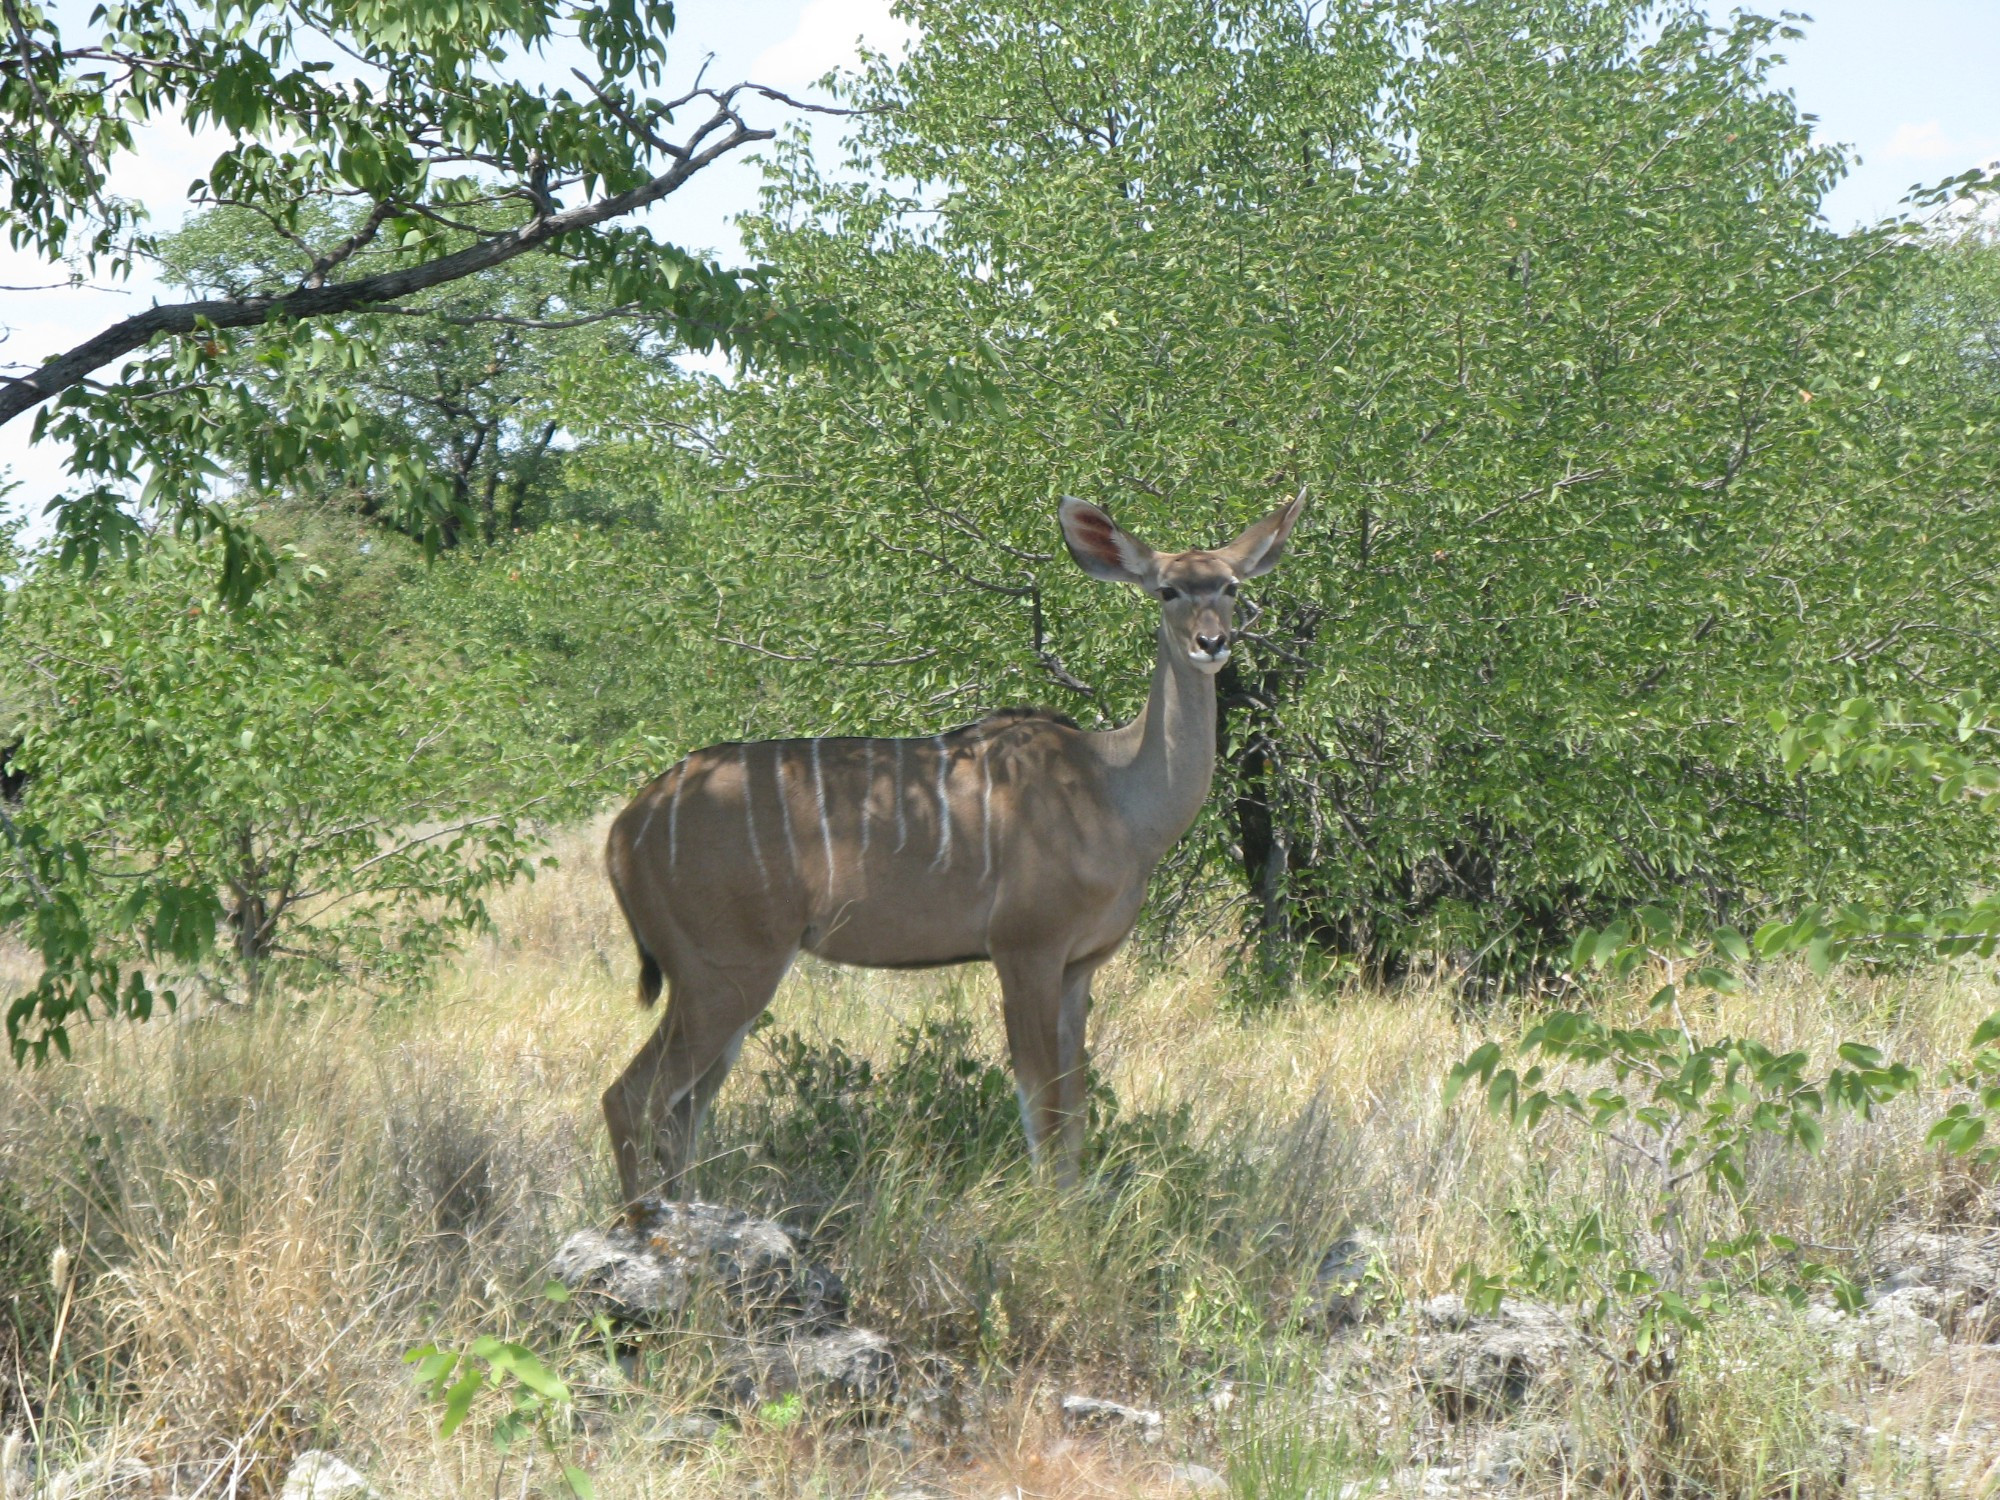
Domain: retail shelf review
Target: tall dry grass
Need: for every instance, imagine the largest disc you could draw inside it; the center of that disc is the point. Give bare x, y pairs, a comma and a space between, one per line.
267, 1209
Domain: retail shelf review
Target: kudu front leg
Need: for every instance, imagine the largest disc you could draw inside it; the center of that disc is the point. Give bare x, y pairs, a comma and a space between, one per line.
1046, 1005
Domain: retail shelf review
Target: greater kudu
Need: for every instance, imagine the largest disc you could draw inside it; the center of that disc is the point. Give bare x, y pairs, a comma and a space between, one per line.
1020, 838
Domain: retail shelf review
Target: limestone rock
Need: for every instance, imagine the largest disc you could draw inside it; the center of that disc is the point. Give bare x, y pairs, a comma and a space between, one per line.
684, 1430
1088, 1413
847, 1364
98, 1478
651, 1269
319, 1475
1892, 1336
1475, 1365
16, 1466
1196, 1479
1340, 1280
935, 1393
1953, 1279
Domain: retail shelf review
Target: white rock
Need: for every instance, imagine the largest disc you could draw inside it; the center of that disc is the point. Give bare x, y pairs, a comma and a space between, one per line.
1197, 1479
319, 1475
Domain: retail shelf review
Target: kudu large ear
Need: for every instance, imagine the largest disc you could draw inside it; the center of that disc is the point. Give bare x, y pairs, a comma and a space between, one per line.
1262, 543
1102, 549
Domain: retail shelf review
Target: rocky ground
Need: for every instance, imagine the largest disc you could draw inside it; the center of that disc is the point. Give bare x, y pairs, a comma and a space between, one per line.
263, 1215
780, 1327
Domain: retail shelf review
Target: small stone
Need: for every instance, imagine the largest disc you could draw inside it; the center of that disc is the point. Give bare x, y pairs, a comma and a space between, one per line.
319, 1475
684, 1430
1197, 1479
1081, 1413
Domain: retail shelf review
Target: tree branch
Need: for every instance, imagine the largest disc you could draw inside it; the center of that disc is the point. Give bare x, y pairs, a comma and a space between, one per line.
19, 394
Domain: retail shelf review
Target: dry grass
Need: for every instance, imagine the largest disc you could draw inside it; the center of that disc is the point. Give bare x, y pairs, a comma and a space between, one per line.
269, 1209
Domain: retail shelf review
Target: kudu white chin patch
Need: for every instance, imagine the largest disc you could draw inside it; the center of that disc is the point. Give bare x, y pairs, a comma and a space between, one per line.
1210, 659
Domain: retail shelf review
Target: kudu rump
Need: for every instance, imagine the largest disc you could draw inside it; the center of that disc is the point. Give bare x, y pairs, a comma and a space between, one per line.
1020, 838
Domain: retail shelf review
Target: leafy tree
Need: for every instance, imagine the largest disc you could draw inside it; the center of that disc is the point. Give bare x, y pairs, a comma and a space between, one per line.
484, 387
222, 796
605, 634
1614, 446
360, 170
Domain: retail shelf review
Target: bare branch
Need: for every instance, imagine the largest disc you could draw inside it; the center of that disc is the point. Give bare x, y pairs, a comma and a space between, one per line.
630, 121
361, 236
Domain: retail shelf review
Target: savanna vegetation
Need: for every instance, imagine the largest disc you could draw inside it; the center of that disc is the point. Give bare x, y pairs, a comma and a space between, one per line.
1594, 912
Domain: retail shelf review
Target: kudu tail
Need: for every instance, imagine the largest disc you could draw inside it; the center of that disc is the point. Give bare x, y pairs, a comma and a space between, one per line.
651, 978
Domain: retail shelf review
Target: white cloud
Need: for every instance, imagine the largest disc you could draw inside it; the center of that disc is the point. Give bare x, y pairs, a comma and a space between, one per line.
826, 38
1927, 141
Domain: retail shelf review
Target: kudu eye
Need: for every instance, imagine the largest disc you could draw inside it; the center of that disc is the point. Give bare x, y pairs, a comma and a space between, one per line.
1229, 589
1170, 593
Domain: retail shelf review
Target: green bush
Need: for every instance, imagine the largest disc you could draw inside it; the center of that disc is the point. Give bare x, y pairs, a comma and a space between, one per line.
227, 797
1613, 446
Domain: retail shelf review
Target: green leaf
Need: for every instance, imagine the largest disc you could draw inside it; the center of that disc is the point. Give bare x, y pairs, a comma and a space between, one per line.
458, 1401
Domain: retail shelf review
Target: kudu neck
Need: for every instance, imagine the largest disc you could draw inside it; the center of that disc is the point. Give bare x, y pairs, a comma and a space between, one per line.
1160, 765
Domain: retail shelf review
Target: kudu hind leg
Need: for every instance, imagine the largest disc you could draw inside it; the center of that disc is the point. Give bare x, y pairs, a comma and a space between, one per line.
674, 1142
655, 1108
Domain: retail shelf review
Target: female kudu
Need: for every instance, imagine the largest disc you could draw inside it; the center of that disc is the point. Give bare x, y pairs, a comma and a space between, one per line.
1020, 838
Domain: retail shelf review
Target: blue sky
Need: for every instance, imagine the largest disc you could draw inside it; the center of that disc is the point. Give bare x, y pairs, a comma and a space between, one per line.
1912, 85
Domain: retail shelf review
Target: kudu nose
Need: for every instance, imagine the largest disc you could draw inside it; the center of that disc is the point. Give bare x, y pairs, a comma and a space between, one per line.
1212, 644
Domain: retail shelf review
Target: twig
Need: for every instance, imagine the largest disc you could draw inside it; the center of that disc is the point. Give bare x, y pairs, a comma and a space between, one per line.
826, 661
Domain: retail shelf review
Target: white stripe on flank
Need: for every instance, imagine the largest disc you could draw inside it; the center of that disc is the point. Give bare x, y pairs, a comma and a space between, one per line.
902, 827
784, 802
944, 808
867, 787
645, 823
750, 815
986, 807
825, 832
674, 818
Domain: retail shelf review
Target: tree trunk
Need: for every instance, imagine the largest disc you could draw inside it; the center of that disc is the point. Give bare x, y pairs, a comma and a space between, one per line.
1248, 733
252, 918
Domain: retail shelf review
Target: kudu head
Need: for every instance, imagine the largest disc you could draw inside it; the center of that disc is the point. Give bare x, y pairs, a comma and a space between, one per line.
1196, 590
